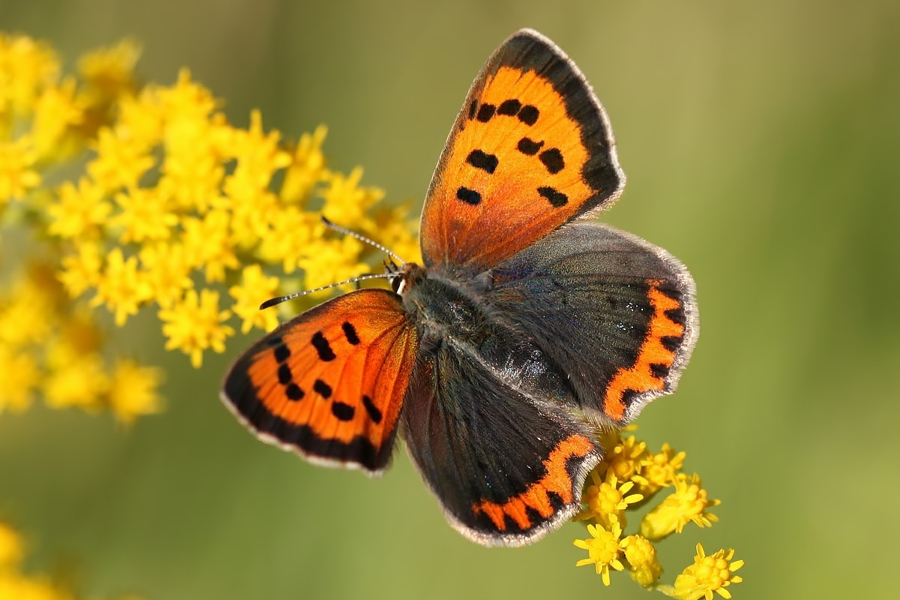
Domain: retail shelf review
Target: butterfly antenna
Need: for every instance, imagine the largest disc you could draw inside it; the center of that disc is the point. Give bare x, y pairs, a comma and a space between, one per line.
361, 238
273, 301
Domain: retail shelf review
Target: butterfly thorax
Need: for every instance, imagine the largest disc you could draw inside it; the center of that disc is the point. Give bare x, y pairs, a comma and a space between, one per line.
445, 312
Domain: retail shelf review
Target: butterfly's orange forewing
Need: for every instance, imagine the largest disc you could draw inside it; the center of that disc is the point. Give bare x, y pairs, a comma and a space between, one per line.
330, 383
530, 150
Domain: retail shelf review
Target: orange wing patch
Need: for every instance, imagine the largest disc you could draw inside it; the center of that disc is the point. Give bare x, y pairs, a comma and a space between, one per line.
655, 357
556, 480
530, 151
331, 382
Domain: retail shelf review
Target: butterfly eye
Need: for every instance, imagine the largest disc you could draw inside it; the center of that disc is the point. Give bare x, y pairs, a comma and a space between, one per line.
396, 283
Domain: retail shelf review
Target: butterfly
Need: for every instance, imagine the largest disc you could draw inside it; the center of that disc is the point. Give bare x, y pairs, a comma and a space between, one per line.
527, 331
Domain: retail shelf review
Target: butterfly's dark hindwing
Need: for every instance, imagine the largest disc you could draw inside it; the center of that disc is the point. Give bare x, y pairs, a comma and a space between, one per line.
505, 469
615, 311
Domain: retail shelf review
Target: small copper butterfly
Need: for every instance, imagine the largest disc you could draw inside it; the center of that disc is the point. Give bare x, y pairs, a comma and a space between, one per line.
528, 329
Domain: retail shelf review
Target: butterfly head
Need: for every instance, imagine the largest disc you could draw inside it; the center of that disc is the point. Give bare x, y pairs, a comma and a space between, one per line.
404, 277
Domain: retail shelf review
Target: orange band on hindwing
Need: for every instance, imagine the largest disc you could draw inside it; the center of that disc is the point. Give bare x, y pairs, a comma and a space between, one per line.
654, 358
557, 480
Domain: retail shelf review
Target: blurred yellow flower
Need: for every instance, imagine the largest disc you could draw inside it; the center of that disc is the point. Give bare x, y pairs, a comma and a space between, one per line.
132, 391
307, 167
79, 212
21, 377
80, 381
346, 202
122, 288
26, 68
255, 288
195, 324
17, 175
57, 111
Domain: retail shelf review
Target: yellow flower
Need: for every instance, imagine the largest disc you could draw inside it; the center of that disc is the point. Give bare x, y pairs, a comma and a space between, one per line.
57, 110
606, 500
708, 574
14, 585
604, 549
80, 381
641, 557
16, 174
687, 503
395, 229
258, 157
255, 289
25, 314
144, 216
12, 547
120, 163
122, 287
140, 119
208, 243
626, 458
307, 167
195, 324
109, 72
252, 217
132, 391
78, 332
660, 470
345, 202
79, 212
21, 377
26, 67
289, 236
81, 271
166, 269
328, 261
188, 101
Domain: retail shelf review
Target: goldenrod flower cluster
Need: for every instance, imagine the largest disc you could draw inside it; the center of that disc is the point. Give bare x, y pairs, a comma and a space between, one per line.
128, 197
15, 584
628, 479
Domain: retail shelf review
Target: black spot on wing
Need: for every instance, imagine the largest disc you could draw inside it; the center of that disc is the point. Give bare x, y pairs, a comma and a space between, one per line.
468, 196
671, 342
322, 388
323, 347
485, 112
529, 147
659, 370
343, 412
282, 353
553, 160
482, 160
509, 107
350, 333
556, 198
373, 411
294, 392
529, 114
284, 375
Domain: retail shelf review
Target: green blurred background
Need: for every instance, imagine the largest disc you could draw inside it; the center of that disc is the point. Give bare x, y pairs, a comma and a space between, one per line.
762, 144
